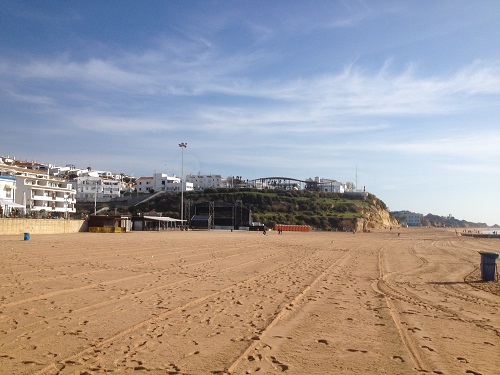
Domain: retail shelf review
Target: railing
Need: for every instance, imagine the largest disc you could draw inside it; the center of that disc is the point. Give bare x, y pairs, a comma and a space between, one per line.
41, 197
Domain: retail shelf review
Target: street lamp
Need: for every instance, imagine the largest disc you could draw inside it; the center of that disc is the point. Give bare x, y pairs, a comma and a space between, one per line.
182, 145
95, 198
66, 203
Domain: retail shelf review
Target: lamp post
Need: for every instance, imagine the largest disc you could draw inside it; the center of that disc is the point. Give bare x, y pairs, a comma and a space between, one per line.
182, 145
66, 206
95, 198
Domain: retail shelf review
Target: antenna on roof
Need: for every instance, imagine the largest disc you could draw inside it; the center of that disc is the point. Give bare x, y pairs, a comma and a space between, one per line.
356, 180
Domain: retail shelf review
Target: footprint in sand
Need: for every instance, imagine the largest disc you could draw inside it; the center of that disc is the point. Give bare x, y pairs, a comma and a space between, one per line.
357, 350
398, 357
323, 341
252, 358
428, 348
281, 366
140, 343
172, 369
462, 359
414, 329
28, 362
283, 337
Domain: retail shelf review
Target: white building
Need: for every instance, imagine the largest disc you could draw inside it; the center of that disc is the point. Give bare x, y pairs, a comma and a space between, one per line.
327, 185
144, 185
91, 188
164, 182
408, 218
58, 171
7, 196
106, 174
38, 192
201, 182
54, 196
161, 182
331, 186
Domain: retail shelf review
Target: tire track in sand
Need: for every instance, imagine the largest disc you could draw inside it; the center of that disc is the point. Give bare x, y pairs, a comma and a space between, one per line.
410, 345
123, 298
115, 281
420, 352
281, 314
163, 315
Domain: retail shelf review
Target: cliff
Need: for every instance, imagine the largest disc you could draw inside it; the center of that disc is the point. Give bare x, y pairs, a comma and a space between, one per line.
376, 216
322, 211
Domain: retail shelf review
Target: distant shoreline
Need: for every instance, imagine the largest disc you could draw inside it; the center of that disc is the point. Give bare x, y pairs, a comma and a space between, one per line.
480, 235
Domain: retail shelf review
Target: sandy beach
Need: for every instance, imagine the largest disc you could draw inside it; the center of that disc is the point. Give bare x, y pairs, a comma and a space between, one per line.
225, 302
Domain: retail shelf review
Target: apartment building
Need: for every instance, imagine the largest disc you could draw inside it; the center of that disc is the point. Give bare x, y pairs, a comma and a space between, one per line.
92, 188
161, 182
36, 192
164, 182
201, 182
408, 218
8, 205
144, 185
55, 197
330, 186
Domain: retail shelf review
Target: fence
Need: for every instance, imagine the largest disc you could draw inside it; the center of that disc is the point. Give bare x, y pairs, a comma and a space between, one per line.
292, 228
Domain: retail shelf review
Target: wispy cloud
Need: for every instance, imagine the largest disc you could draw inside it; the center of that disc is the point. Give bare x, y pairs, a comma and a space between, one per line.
321, 102
470, 144
31, 99
118, 125
384, 93
98, 72
352, 87
474, 168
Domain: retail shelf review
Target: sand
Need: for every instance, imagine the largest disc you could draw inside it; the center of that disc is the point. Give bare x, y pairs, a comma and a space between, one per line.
225, 302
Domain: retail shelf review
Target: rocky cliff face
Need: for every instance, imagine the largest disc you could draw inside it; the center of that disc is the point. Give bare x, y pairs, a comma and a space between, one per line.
376, 217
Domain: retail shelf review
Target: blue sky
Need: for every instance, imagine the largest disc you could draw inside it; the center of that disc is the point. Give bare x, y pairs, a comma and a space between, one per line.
405, 92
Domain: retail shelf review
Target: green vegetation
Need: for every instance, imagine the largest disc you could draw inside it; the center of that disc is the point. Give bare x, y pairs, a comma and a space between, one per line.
325, 211
449, 221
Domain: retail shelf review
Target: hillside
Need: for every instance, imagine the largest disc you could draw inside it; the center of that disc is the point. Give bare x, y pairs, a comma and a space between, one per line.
450, 221
322, 211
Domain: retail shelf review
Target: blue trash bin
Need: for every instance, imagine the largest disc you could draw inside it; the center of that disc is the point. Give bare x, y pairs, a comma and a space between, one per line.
488, 266
26, 236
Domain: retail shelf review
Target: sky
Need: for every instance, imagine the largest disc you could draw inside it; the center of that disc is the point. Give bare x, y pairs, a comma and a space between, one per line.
400, 97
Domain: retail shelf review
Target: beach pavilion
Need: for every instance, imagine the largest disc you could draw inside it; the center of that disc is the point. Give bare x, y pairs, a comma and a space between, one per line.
155, 223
